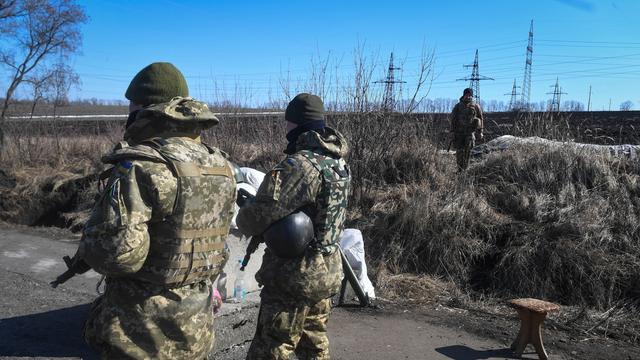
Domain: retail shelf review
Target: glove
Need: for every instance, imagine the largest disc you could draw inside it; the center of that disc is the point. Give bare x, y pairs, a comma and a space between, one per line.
216, 299
244, 198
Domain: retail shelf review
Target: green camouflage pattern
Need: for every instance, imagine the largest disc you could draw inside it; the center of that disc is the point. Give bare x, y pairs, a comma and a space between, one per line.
308, 279
135, 318
296, 183
466, 118
138, 320
189, 244
466, 121
331, 206
293, 184
286, 327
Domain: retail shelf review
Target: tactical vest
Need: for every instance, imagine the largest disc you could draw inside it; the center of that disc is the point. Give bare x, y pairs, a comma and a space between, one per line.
330, 210
188, 245
466, 119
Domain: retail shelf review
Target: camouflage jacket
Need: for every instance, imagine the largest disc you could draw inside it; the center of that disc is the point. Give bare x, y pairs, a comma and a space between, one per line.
466, 117
136, 318
293, 184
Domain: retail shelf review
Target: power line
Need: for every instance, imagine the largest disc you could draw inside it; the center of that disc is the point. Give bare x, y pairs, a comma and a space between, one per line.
555, 101
513, 103
389, 102
475, 78
526, 82
591, 42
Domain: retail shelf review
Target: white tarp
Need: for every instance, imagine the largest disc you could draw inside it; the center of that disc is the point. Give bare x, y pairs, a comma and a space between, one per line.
352, 245
506, 141
252, 180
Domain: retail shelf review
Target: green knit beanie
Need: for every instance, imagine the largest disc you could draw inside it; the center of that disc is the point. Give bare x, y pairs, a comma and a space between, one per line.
157, 83
304, 108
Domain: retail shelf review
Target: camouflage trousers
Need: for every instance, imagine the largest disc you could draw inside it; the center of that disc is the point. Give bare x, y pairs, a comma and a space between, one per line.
138, 320
284, 328
463, 144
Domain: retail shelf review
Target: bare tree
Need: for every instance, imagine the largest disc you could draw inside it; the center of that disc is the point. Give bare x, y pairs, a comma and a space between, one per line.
8, 10
62, 79
40, 81
626, 106
359, 92
573, 105
424, 79
39, 29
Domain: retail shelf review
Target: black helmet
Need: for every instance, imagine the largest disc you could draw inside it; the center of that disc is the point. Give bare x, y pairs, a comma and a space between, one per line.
237, 173
290, 236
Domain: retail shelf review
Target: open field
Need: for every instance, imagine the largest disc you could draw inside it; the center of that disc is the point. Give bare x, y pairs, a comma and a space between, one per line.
599, 127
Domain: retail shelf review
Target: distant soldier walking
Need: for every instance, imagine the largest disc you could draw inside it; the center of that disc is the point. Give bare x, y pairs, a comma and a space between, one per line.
314, 179
466, 124
158, 230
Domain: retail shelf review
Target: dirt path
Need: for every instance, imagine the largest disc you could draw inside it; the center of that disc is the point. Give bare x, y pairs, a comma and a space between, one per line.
37, 321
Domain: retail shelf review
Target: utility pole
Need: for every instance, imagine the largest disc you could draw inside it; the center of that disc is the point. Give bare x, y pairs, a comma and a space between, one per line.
589, 102
557, 92
526, 82
513, 104
475, 78
389, 100
609, 104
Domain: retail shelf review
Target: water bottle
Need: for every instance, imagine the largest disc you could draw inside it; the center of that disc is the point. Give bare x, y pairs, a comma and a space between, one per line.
239, 292
222, 285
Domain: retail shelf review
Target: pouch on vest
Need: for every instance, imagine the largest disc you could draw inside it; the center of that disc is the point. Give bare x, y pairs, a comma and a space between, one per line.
189, 245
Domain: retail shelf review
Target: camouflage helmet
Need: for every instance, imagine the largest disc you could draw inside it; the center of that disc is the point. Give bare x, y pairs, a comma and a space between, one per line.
290, 236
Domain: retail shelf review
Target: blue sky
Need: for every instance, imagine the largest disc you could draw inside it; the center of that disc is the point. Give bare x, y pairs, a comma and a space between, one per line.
244, 49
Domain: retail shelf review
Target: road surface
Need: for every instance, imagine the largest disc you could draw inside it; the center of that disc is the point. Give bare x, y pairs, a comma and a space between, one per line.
37, 321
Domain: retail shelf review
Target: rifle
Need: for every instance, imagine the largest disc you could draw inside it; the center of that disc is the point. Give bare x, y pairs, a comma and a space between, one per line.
350, 276
244, 198
251, 248
74, 266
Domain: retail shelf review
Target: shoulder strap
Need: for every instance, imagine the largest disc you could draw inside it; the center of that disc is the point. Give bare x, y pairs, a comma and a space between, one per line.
137, 152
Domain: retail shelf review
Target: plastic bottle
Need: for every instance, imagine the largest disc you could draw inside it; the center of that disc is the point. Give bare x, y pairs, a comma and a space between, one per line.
239, 291
222, 285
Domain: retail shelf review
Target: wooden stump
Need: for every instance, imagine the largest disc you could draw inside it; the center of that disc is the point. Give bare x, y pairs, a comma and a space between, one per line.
532, 313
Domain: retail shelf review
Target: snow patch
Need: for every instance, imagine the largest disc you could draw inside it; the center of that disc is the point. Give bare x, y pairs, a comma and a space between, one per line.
20, 254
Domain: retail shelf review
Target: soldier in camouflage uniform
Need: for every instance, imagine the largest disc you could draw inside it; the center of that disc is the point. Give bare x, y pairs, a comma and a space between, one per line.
314, 178
158, 229
466, 124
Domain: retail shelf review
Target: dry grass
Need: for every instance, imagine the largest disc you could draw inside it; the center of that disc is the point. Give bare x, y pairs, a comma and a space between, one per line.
412, 289
556, 224
51, 171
